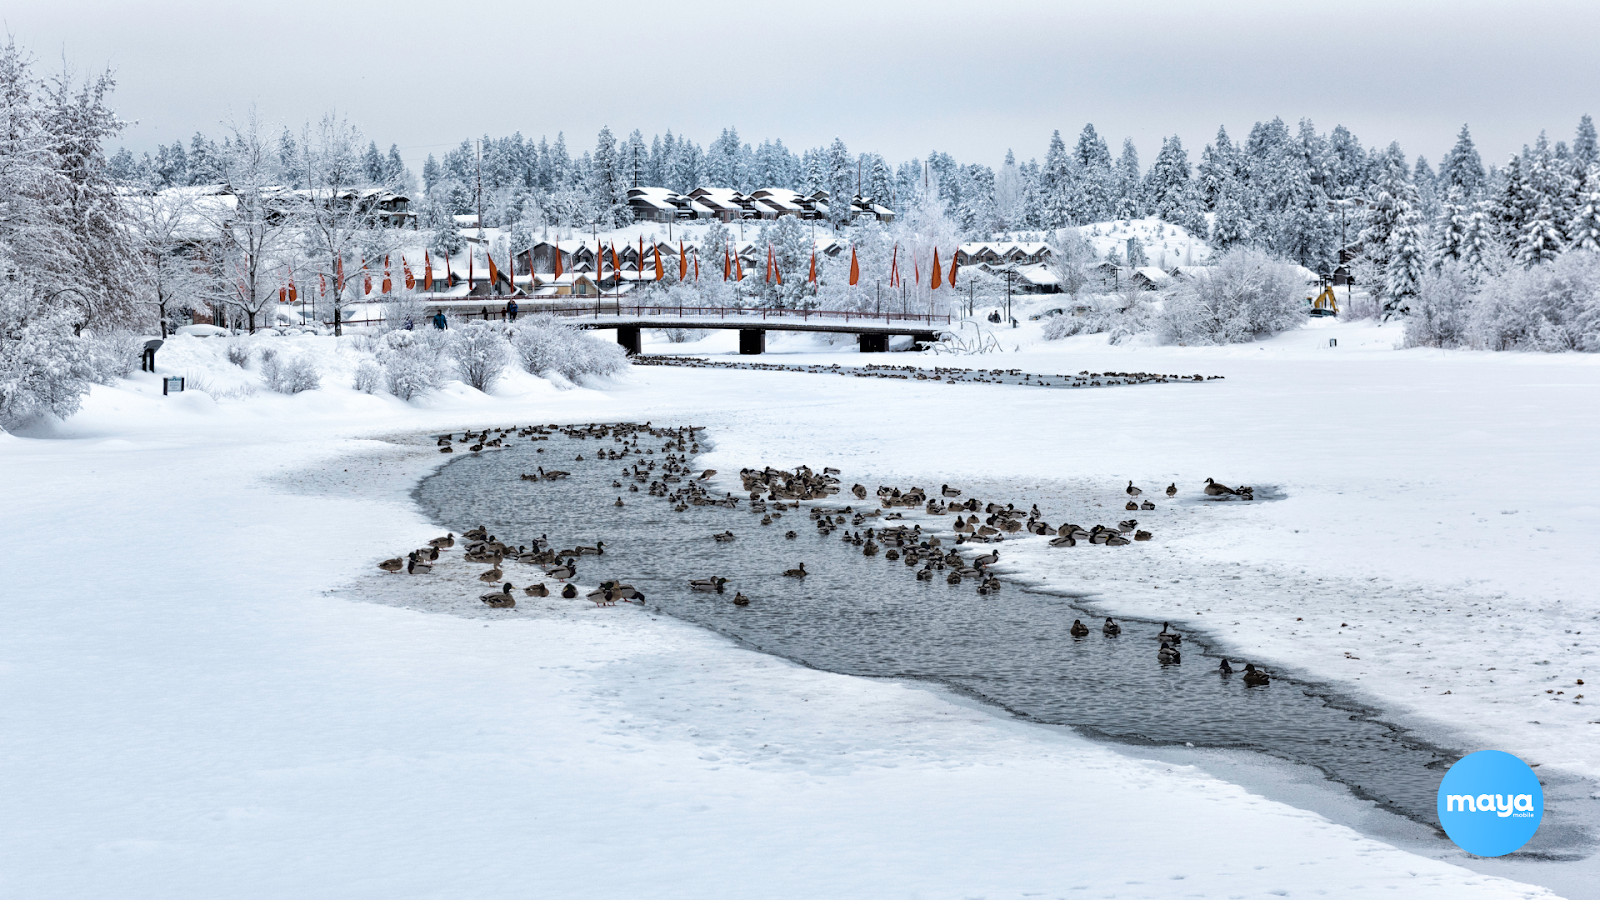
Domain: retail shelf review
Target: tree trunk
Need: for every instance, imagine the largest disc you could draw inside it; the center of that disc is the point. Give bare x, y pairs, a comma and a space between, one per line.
252, 318
338, 323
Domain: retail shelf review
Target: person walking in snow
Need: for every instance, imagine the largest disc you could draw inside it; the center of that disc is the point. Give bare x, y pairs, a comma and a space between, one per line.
439, 321
511, 310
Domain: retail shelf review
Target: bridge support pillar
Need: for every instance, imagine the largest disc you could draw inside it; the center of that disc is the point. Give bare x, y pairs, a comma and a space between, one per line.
873, 343
628, 337
752, 341
923, 340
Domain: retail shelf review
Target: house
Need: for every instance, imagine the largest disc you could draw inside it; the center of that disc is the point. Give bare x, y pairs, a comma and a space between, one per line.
726, 204
1149, 278
656, 204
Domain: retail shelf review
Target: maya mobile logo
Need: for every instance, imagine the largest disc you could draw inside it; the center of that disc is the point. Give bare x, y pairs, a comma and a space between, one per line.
1490, 803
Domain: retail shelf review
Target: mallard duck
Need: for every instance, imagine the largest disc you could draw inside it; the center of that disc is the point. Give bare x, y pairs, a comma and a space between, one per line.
1254, 676
949, 491
569, 592
870, 549
500, 599
799, 572
1223, 668
1141, 535
1217, 490
418, 566
1065, 540
860, 491
723, 538
988, 559
1116, 540
444, 543
789, 535
1131, 505
892, 555
619, 502
1172, 489
953, 578
393, 565
1147, 505
602, 596
492, 575
740, 599
1079, 629
562, 572
536, 590
1168, 655
598, 549
1111, 628
1168, 635
1127, 525
708, 585
1133, 491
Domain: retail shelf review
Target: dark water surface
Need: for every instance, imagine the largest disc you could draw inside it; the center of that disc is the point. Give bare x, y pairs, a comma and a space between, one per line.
869, 616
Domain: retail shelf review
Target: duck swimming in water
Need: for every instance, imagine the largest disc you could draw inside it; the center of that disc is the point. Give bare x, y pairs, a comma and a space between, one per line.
1254, 676
1079, 629
1111, 628
1168, 655
1224, 668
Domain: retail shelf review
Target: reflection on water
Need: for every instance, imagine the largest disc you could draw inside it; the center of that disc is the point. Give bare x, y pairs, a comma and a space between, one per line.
869, 616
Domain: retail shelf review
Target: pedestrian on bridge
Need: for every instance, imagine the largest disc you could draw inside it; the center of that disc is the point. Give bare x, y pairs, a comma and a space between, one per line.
511, 310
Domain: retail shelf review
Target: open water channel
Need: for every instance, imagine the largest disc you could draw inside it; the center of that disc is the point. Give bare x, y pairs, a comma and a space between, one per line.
869, 616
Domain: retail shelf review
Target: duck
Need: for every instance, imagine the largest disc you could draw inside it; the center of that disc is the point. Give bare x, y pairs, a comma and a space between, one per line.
536, 590
708, 585
493, 575
1168, 655
1065, 540
799, 572
723, 538
953, 578
598, 549
1223, 668
1117, 540
619, 502
707, 474
1141, 535
1111, 628
988, 559
1168, 635
925, 574
562, 572
1217, 490
860, 491
418, 566
1254, 676
892, 555
501, 599
871, 549
948, 491
1131, 505
1079, 629
569, 592
602, 596
1133, 491
444, 543
789, 535
1172, 489
739, 599
393, 565
1147, 505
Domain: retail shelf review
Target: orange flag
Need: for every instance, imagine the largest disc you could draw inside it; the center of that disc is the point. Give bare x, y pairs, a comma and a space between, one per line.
738, 268
293, 296
953, 264
449, 276
616, 267
683, 264
427, 271
697, 268
494, 270
558, 259
599, 263
366, 279
776, 271
388, 283
658, 262
283, 294
813, 276
769, 263
937, 279
411, 281
916, 268
727, 264
894, 267
855, 267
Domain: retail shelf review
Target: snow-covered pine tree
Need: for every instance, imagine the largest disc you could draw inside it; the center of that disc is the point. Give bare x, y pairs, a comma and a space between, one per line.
1541, 239
1231, 226
1093, 181
1306, 232
1391, 198
1056, 202
1479, 254
1462, 168
1407, 262
1583, 231
1129, 193
1168, 184
1450, 230
607, 188
841, 183
1218, 166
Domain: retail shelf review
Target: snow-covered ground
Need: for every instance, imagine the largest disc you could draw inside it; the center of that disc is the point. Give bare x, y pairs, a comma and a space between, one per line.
193, 710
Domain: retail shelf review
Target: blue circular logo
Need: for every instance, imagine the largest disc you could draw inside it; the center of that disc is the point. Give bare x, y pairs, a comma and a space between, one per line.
1490, 803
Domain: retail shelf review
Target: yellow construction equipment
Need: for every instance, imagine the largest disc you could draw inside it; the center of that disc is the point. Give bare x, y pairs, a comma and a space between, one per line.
1324, 304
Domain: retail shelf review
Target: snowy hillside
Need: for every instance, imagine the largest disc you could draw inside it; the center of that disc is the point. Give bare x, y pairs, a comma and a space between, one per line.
1165, 244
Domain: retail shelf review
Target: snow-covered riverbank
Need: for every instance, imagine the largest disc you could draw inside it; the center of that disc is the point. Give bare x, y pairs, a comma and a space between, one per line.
201, 718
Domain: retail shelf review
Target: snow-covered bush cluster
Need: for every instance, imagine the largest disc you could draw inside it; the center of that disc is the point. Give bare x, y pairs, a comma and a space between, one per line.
289, 373
369, 377
112, 355
479, 352
1550, 308
44, 368
410, 361
545, 346
1245, 295
1119, 316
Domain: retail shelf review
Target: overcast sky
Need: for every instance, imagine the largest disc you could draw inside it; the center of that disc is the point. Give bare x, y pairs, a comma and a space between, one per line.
968, 78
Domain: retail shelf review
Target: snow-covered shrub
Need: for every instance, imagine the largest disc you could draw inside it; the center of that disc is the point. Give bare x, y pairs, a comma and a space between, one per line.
479, 351
1438, 316
238, 352
1120, 316
44, 368
410, 361
112, 355
404, 311
545, 346
369, 377
1549, 307
290, 374
1246, 295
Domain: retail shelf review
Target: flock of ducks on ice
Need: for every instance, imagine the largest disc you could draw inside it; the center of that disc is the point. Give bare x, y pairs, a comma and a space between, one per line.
1084, 379
770, 492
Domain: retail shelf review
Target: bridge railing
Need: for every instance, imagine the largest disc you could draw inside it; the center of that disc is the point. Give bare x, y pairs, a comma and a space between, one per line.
751, 314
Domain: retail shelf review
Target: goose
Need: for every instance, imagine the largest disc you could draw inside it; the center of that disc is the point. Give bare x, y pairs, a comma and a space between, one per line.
393, 565
444, 543
1254, 676
1079, 629
1111, 628
1217, 490
723, 538
492, 575
598, 549
1168, 655
949, 491
569, 592
501, 599
1133, 491
1172, 489
708, 585
740, 599
1224, 668
1168, 635
797, 572
536, 590
1147, 505
563, 572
